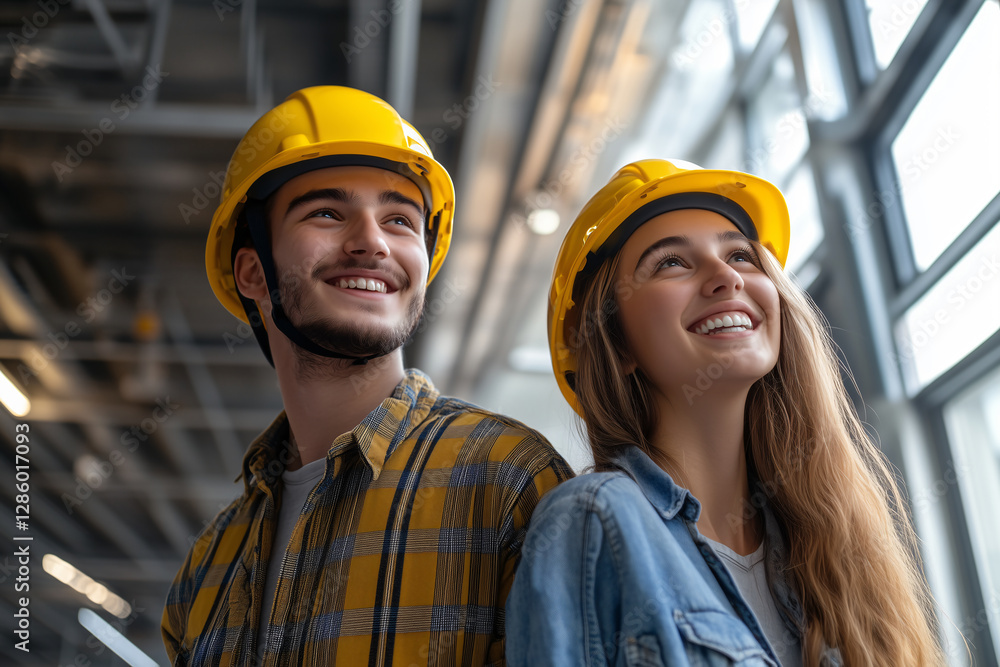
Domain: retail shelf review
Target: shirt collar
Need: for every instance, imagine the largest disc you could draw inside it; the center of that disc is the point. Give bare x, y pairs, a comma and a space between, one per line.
376, 437
660, 490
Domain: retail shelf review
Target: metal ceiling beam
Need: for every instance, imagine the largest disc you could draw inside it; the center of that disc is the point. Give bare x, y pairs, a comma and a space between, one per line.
220, 422
189, 416
364, 46
113, 351
165, 120
127, 60
403, 53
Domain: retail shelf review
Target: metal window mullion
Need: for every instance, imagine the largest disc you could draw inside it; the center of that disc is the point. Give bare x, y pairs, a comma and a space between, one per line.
966, 241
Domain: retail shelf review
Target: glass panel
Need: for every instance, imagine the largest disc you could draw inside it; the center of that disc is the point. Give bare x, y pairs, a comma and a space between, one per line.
946, 153
779, 137
803, 208
729, 144
695, 88
827, 99
955, 316
751, 19
889, 22
973, 422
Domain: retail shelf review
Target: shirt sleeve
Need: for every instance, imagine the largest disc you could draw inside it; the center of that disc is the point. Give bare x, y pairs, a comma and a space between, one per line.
551, 612
546, 470
173, 624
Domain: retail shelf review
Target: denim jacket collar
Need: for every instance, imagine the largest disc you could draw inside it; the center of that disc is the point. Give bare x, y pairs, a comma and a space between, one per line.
657, 485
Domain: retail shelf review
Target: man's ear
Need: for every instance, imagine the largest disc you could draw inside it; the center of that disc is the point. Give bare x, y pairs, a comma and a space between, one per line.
249, 274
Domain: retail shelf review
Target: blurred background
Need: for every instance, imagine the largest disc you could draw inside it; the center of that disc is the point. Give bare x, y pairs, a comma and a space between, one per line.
138, 393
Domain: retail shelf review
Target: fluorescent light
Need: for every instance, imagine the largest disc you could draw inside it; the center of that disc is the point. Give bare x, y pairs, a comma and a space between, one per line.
96, 592
114, 640
543, 221
12, 398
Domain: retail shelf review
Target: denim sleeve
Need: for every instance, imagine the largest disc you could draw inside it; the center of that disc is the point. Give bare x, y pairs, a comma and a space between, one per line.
551, 614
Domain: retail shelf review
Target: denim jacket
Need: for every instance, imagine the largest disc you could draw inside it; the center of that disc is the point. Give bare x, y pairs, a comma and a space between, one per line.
615, 572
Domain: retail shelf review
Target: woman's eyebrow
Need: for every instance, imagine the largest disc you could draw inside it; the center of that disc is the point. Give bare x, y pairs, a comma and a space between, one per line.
683, 241
666, 242
732, 235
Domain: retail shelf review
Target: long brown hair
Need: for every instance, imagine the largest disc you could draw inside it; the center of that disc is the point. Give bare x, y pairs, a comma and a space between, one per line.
852, 549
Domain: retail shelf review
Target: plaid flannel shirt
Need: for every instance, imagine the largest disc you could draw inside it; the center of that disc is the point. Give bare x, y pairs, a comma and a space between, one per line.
404, 552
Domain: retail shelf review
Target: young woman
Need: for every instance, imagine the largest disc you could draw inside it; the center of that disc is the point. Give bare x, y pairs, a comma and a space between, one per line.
739, 514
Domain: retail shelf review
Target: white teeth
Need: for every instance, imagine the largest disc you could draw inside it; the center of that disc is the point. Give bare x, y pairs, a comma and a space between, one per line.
726, 324
370, 285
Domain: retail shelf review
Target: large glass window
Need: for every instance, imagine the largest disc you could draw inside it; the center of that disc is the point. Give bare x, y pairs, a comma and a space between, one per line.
889, 22
751, 19
973, 423
779, 137
700, 67
827, 99
803, 209
954, 317
946, 154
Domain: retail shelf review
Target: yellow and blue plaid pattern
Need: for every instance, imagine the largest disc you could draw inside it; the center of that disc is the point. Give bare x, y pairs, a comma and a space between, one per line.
403, 555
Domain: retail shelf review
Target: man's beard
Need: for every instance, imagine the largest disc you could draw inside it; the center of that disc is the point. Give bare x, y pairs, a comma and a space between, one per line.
342, 336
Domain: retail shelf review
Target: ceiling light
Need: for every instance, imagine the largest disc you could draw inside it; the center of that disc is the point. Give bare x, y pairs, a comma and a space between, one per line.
543, 221
113, 639
12, 398
96, 592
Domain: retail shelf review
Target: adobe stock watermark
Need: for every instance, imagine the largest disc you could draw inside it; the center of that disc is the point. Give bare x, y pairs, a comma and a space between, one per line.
861, 219
581, 159
120, 109
260, 139
362, 35
47, 10
223, 7
714, 28
89, 310
99, 471
457, 114
931, 495
566, 8
899, 17
791, 123
707, 376
958, 297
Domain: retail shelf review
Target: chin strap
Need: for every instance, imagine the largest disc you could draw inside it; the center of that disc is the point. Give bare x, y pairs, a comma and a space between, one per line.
257, 224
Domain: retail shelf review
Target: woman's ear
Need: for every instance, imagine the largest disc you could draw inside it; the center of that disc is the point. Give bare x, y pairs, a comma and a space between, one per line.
249, 274
628, 363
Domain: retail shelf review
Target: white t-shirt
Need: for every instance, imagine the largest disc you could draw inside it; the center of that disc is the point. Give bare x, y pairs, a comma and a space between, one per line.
296, 485
749, 573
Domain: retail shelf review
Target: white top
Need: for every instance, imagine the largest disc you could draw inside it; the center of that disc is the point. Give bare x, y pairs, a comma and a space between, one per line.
296, 485
750, 574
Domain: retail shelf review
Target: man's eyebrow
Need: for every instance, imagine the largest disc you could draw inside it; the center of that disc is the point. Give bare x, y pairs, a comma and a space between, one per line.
337, 194
387, 197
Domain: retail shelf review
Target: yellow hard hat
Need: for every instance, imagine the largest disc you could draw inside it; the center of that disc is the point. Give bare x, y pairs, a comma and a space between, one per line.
324, 126
639, 192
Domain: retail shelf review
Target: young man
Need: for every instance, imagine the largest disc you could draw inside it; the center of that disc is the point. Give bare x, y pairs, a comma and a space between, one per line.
380, 522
